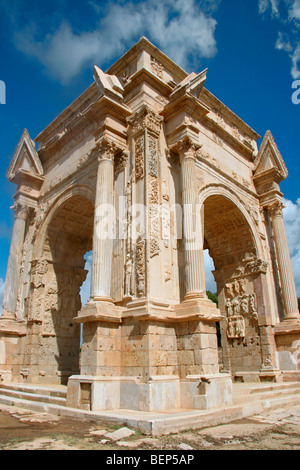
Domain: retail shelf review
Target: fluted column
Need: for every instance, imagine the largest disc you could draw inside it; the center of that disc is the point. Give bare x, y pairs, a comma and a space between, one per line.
192, 226
288, 287
14, 262
103, 229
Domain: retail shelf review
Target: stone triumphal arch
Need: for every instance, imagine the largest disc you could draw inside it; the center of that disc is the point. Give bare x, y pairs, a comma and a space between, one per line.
146, 170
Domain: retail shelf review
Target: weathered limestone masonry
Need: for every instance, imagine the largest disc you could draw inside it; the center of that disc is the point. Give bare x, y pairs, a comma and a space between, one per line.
182, 174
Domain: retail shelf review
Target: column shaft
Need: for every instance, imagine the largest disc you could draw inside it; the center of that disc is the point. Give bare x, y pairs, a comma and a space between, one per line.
103, 228
192, 228
284, 264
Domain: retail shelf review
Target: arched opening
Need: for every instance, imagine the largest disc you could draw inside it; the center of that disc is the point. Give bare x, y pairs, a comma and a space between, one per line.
230, 242
67, 240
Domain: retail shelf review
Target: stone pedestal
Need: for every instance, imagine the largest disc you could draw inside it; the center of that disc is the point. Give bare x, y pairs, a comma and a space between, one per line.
149, 357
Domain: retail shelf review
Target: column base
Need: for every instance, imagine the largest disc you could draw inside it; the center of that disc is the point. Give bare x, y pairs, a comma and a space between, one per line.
202, 308
292, 318
99, 310
7, 315
194, 295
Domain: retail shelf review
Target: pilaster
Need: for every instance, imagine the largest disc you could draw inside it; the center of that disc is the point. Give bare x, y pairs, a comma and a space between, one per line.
12, 280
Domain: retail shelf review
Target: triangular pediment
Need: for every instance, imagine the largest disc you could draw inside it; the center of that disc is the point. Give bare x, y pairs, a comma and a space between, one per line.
269, 158
25, 158
153, 59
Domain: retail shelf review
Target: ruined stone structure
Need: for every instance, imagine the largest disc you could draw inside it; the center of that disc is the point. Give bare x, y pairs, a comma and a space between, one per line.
147, 169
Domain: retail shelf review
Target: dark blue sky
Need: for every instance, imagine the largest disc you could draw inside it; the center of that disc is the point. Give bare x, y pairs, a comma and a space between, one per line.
47, 53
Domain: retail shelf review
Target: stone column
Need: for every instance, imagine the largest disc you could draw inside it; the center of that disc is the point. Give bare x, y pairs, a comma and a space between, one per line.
14, 262
103, 225
192, 224
288, 287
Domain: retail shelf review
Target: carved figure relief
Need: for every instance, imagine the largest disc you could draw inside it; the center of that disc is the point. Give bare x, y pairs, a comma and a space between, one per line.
140, 267
38, 270
238, 305
128, 276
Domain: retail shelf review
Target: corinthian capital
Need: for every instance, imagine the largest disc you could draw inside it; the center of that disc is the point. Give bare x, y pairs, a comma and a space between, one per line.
186, 148
275, 209
21, 210
146, 118
107, 149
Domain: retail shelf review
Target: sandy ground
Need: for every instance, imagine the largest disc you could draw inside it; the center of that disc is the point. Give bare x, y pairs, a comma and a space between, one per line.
24, 430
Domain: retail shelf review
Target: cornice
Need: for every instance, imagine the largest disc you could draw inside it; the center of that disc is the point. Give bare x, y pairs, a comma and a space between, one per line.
185, 103
145, 75
215, 104
75, 109
144, 44
241, 147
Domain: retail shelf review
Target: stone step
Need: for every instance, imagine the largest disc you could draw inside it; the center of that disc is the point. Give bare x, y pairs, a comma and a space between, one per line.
265, 395
29, 396
247, 393
249, 389
58, 391
157, 424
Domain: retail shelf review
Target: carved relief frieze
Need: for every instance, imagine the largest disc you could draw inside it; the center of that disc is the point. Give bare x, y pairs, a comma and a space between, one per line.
120, 162
154, 217
139, 157
146, 119
156, 67
250, 266
238, 305
152, 156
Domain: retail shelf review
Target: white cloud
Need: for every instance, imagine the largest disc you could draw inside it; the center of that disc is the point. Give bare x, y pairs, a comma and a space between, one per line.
294, 11
291, 214
209, 278
283, 43
296, 62
85, 290
182, 28
1, 293
264, 5
288, 18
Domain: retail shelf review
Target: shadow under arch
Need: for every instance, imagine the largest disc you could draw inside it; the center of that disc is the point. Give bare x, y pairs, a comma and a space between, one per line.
65, 236
232, 239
